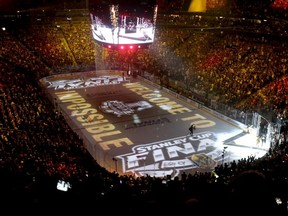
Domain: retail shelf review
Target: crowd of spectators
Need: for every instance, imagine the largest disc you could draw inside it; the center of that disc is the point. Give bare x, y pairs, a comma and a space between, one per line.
38, 148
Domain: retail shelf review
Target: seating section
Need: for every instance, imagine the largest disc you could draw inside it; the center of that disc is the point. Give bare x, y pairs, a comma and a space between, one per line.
246, 70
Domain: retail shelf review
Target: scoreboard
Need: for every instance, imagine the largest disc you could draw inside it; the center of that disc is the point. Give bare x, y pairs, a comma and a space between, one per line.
128, 24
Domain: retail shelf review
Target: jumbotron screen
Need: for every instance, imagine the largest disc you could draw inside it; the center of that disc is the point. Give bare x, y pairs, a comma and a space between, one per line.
124, 24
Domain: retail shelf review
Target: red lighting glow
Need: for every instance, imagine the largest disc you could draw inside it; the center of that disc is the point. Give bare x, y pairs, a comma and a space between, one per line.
123, 47
280, 4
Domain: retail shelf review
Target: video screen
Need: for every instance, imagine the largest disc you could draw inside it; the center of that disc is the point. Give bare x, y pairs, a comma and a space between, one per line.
119, 25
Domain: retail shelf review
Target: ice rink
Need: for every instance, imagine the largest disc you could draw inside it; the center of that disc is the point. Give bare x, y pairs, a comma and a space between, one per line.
135, 127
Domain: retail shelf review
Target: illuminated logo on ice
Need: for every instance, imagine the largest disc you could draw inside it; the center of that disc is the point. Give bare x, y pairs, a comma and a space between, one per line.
85, 82
169, 157
119, 108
